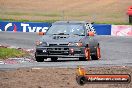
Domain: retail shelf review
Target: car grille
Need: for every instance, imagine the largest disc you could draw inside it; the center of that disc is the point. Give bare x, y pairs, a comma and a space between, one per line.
58, 51
52, 44
58, 44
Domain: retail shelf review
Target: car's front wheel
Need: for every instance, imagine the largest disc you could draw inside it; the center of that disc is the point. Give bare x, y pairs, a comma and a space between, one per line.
82, 59
39, 59
87, 54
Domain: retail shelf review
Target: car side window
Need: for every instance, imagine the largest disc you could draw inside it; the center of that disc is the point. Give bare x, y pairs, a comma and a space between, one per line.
77, 29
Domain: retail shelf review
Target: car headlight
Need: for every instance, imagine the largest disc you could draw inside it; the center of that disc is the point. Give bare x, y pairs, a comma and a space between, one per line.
38, 43
75, 44
44, 43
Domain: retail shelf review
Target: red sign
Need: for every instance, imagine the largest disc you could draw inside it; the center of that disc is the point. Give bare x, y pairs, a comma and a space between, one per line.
82, 78
129, 11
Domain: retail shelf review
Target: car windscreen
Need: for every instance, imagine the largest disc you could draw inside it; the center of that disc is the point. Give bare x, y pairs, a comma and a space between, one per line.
66, 29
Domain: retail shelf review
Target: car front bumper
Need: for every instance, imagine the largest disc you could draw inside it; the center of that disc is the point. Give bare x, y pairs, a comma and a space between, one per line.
65, 52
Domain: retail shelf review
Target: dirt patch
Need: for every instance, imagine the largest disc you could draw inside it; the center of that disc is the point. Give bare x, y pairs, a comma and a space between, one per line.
57, 78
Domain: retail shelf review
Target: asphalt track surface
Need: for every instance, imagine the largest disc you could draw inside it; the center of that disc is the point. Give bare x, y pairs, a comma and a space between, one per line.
115, 51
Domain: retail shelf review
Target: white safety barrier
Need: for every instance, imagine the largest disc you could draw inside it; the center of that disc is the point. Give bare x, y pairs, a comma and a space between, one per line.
121, 30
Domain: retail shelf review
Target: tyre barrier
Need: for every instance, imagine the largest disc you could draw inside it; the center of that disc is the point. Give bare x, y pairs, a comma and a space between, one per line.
101, 29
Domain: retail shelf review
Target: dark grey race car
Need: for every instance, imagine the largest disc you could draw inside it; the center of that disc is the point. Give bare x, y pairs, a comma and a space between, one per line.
68, 39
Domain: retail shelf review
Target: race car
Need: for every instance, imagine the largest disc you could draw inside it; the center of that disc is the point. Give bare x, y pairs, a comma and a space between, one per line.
68, 39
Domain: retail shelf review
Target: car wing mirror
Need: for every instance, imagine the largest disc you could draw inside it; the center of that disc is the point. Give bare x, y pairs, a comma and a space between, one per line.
90, 33
41, 33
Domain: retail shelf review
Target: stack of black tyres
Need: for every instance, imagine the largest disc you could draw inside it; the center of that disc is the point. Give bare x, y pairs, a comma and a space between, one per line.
130, 19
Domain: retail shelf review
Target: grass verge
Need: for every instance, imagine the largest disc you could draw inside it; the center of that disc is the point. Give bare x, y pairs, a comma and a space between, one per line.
11, 53
24, 20
51, 21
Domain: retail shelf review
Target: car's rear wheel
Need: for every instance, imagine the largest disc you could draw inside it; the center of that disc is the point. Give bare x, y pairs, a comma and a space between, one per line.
97, 55
82, 59
54, 59
94, 57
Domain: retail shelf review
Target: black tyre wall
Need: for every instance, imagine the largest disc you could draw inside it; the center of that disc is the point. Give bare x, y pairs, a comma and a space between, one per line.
130, 19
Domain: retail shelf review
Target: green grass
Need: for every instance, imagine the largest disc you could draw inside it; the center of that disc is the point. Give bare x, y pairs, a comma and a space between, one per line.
51, 21
33, 14
113, 23
11, 53
24, 20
